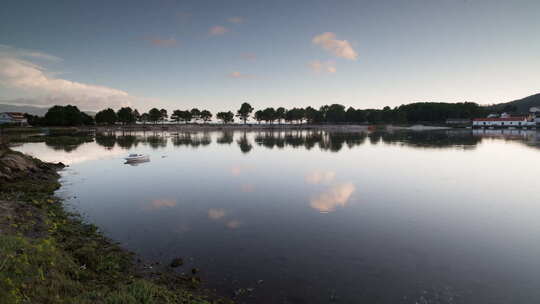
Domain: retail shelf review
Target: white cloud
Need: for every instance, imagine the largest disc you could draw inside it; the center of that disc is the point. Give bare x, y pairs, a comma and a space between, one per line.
239, 75
319, 67
337, 195
236, 20
45, 89
340, 48
218, 30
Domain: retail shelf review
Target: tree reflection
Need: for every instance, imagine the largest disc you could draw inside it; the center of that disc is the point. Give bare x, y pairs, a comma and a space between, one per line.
156, 141
226, 137
67, 143
332, 141
106, 140
244, 144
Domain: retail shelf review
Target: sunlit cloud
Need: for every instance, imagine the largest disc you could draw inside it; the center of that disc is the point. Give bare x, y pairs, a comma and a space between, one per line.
236, 20
319, 67
218, 30
340, 48
160, 204
337, 195
34, 79
216, 214
318, 177
239, 75
233, 224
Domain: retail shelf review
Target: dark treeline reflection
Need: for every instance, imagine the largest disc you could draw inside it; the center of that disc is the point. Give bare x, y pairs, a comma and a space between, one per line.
305, 139
332, 141
438, 139
323, 140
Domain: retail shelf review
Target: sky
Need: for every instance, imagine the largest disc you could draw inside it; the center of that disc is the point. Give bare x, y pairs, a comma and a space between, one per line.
217, 54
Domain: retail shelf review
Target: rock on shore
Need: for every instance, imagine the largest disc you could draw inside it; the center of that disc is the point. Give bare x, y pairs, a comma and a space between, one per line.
15, 166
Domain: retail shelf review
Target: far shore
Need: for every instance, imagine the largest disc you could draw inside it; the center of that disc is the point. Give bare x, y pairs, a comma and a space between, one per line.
231, 127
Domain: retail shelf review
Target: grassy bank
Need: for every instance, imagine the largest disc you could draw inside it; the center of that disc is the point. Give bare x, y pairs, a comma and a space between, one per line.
48, 255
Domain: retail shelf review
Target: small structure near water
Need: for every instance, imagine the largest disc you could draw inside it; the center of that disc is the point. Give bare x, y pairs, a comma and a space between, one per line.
13, 118
506, 120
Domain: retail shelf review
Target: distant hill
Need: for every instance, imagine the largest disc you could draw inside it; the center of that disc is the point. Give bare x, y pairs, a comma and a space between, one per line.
40, 111
522, 105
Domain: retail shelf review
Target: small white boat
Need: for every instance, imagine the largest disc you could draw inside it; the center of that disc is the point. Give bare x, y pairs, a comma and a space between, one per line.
134, 157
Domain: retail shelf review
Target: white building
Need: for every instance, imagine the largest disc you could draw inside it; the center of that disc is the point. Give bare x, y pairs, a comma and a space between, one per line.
506, 122
15, 118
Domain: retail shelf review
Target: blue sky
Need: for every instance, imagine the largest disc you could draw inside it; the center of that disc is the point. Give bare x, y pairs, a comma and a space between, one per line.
217, 54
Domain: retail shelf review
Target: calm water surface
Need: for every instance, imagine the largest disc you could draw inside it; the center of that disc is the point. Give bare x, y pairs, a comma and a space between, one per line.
318, 217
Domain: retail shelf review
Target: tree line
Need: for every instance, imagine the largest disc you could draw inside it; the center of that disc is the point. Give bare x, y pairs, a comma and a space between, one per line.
420, 112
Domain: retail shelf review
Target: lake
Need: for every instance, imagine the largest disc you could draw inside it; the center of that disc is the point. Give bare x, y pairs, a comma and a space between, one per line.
321, 217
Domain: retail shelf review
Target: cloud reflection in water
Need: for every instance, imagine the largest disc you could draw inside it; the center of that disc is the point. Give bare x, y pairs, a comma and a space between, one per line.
337, 195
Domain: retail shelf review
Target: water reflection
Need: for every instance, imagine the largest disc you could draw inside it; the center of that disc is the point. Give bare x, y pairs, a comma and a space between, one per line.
318, 177
408, 216
336, 196
244, 144
307, 139
216, 214
160, 204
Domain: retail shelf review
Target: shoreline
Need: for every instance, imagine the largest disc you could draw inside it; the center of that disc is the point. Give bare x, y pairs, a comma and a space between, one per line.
228, 127
50, 255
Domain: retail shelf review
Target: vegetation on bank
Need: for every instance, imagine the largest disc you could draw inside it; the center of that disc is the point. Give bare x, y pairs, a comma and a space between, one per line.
421, 112
48, 255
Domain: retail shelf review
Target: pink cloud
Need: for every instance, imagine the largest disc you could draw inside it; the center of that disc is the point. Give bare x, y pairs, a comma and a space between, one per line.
340, 48
218, 30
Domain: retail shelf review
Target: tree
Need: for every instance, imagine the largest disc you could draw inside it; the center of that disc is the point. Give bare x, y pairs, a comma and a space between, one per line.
154, 115
87, 120
136, 115
145, 117
244, 112
269, 115
280, 114
226, 117
125, 115
335, 113
64, 116
258, 116
195, 114
163, 115
186, 116
177, 116
206, 116
312, 115
107, 116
